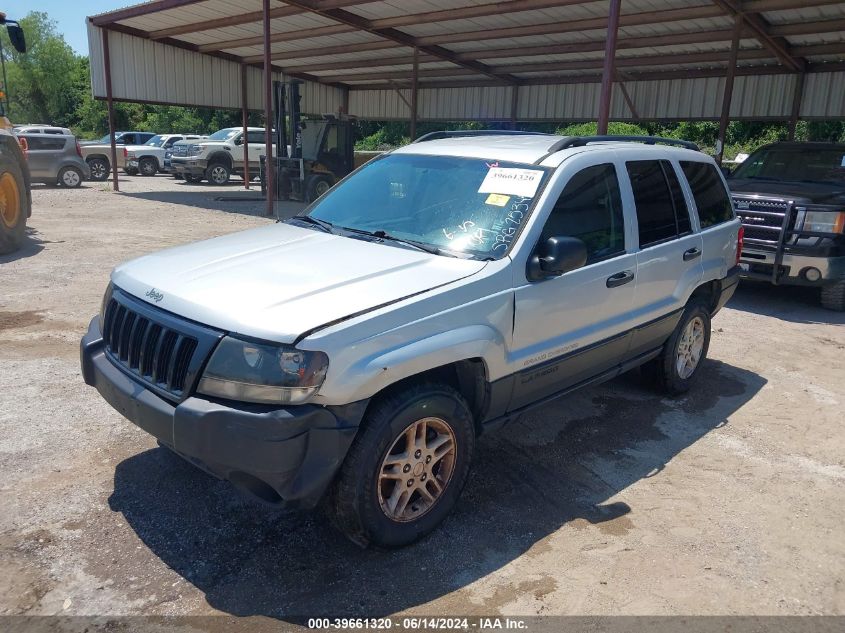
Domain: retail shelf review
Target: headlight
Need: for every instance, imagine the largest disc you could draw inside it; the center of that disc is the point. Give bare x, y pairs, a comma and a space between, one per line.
263, 372
824, 221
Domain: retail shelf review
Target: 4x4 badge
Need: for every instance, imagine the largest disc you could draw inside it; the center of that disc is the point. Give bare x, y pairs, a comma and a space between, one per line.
155, 295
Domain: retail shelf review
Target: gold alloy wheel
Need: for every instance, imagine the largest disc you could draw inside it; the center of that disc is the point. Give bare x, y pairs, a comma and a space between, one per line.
417, 469
10, 200
690, 347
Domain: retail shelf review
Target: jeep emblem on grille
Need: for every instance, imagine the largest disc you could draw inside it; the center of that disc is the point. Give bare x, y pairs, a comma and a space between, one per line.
155, 295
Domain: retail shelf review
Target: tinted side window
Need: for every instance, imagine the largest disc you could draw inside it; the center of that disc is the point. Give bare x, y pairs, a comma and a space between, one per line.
255, 137
714, 205
655, 210
681, 210
45, 142
590, 208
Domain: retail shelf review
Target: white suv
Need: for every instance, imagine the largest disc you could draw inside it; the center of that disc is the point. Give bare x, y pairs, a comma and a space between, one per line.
353, 353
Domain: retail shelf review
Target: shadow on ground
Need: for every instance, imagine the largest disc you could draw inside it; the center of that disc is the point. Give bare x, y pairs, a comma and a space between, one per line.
560, 464
32, 245
798, 304
231, 198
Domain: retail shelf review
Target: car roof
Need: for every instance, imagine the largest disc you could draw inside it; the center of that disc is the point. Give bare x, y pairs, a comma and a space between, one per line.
805, 145
529, 148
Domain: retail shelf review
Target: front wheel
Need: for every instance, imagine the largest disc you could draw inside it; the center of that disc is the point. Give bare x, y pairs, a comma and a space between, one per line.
218, 174
680, 361
406, 468
833, 296
148, 167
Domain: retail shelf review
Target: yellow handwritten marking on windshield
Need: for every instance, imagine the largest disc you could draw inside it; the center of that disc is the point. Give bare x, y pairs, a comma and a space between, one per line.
497, 199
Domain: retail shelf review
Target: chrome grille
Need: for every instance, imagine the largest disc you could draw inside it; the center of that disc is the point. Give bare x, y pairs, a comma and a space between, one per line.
156, 348
763, 219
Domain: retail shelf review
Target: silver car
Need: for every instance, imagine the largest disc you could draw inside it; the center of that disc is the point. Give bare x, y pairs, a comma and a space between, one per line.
55, 159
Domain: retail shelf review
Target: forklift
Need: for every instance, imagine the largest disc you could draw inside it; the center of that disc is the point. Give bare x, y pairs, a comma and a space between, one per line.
311, 155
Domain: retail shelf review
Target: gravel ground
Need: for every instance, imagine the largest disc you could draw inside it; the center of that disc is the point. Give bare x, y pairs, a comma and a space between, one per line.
612, 501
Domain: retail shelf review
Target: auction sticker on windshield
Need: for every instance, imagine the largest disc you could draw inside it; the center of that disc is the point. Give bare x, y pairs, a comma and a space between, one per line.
511, 181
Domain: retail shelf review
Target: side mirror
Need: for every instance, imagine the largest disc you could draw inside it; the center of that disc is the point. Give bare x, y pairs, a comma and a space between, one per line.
556, 256
16, 37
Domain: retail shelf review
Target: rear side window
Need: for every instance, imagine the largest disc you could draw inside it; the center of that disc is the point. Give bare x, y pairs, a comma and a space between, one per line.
590, 208
45, 142
708, 191
681, 211
655, 206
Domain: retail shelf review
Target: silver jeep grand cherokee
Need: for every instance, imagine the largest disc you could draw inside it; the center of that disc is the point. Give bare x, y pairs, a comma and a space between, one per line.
353, 353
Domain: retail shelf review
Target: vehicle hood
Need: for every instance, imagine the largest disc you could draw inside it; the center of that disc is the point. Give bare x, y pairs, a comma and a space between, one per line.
807, 193
144, 149
281, 281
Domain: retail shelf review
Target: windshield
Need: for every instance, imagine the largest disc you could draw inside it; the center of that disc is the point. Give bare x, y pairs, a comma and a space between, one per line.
225, 134
462, 205
156, 141
796, 164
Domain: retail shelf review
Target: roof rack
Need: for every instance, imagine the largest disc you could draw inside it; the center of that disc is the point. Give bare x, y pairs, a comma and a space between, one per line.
580, 141
433, 136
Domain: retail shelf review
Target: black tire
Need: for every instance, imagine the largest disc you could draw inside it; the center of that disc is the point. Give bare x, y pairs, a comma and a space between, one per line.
833, 296
70, 177
192, 179
100, 169
148, 166
13, 206
354, 503
664, 371
218, 173
316, 187
131, 171
178, 176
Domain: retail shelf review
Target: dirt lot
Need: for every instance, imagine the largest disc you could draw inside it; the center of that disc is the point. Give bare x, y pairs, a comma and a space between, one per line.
615, 500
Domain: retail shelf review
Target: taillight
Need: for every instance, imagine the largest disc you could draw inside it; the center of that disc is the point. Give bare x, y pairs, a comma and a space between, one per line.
24, 145
78, 150
740, 237
125, 152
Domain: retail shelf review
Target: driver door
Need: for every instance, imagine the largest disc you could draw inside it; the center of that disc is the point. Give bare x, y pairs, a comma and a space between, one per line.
571, 328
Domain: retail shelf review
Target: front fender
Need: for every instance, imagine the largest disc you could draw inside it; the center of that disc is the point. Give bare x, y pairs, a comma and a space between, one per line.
373, 374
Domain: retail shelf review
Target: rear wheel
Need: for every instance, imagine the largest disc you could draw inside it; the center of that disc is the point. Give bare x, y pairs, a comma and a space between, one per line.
218, 173
405, 469
99, 169
147, 166
70, 177
833, 296
131, 171
12, 212
679, 363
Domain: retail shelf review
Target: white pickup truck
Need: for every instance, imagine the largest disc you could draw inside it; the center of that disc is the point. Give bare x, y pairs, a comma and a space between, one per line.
148, 159
220, 155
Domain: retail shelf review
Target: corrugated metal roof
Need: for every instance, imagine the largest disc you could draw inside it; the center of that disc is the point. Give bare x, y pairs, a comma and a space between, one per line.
201, 44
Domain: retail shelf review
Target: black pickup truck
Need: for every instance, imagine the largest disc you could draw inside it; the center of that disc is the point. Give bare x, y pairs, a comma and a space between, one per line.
791, 199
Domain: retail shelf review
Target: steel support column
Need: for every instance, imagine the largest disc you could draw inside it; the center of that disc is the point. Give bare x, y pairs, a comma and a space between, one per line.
796, 105
514, 105
414, 92
727, 96
245, 123
269, 175
110, 108
608, 70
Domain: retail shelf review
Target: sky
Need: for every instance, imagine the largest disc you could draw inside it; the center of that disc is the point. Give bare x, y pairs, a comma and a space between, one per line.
70, 15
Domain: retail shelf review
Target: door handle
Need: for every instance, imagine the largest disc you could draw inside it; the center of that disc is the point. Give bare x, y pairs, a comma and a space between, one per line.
692, 254
620, 279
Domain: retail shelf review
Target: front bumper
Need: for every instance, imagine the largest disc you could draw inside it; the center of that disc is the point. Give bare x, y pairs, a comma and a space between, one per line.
192, 166
283, 456
758, 266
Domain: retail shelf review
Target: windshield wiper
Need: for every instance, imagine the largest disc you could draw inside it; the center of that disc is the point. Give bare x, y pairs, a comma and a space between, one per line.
383, 235
326, 226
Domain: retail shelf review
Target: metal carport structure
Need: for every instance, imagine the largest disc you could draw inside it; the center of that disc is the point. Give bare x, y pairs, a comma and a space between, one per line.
514, 60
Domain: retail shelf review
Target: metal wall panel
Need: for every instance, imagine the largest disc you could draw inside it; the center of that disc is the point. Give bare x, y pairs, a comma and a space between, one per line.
824, 96
143, 70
